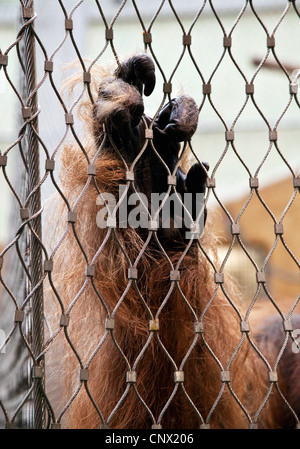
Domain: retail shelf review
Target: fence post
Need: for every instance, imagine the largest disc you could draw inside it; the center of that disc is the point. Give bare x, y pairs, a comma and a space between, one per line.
36, 262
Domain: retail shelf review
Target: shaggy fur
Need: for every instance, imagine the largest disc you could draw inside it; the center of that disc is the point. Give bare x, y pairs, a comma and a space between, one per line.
154, 355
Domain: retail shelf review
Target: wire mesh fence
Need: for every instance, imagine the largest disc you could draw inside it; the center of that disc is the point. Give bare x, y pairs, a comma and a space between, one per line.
108, 324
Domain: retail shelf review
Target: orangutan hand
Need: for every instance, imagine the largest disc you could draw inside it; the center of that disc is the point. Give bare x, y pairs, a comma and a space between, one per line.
125, 121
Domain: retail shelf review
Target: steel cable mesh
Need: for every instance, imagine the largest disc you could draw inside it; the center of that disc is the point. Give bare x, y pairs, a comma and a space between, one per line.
38, 262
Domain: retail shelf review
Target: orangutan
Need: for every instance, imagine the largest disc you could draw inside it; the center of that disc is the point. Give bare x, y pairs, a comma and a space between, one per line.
150, 331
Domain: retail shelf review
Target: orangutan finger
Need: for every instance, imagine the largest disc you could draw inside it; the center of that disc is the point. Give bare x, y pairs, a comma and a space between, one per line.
196, 178
139, 71
120, 121
183, 119
145, 72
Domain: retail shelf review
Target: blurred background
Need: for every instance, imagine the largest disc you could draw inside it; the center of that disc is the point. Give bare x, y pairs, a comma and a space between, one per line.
248, 60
